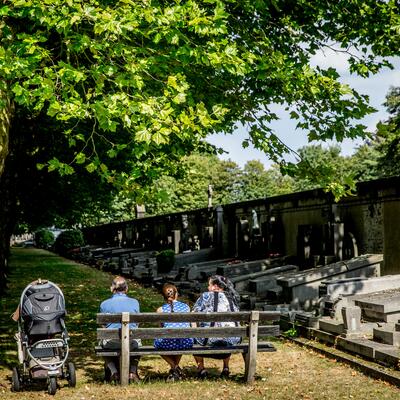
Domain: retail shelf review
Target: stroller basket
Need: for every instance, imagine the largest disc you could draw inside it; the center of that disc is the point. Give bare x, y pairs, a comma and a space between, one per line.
43, 344
48, 349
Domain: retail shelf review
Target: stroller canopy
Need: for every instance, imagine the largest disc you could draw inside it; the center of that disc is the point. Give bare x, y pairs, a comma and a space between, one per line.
42, 308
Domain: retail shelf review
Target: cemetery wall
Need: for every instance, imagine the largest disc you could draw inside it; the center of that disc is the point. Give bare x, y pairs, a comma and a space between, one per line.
309, 225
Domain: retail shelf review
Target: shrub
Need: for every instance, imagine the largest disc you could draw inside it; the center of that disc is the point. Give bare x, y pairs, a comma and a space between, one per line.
44, 239
165, 260
68, 240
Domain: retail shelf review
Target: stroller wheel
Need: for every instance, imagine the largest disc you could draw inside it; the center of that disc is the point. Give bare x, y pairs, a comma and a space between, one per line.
52, 387
16, 384
71, 375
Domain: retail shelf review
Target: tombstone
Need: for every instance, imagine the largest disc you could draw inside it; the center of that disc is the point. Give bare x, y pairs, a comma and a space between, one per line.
208, 236
351, 319
244, 238
184, 244
176, 239
210, 193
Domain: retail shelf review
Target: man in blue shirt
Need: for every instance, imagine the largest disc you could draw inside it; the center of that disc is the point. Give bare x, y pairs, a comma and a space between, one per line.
120, 302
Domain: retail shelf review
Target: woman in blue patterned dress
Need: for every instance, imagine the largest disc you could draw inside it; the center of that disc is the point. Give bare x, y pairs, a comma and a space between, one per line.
170, 294
220, 297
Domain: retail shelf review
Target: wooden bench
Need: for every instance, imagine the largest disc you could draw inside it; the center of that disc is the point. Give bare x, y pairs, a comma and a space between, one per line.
249, 326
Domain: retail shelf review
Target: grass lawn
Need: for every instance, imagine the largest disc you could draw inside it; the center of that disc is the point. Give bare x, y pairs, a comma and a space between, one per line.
290, 373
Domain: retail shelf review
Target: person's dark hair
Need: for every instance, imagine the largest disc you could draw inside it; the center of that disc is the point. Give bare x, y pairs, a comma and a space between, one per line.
119, 284
227, 286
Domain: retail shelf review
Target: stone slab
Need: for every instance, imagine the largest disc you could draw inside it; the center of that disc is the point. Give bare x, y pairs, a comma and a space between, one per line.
306, 295
364, 347
388, 357
386, 301
387, 334
262, 281
250, 267
350, 286
371, 315
323, 336
331, 325
332, 270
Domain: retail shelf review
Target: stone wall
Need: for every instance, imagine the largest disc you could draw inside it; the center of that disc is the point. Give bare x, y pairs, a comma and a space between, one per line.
309, 225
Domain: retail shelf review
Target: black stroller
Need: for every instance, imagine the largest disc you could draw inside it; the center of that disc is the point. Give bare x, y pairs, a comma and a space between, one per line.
42, 338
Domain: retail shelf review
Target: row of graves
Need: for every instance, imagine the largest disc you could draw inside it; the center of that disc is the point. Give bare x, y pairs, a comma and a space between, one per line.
345, 303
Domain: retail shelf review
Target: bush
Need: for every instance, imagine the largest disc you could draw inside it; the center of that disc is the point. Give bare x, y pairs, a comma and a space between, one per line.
44, 239
68, 240
165, 261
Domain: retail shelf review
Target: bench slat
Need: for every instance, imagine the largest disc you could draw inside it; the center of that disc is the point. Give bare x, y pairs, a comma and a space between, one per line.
150, 350
243, 316
155, 333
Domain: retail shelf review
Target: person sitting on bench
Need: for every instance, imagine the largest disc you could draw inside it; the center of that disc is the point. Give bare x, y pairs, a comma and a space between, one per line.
120, 302
170, 294
220, 297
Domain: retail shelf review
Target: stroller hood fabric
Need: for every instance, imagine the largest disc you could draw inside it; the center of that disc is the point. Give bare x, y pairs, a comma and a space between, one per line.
43, 310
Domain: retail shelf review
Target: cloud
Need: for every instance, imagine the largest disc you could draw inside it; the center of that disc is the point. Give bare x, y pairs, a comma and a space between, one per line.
328, 58
375, 86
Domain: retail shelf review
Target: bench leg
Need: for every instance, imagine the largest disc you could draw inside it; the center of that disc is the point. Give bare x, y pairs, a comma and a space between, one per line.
124, 358
251, 355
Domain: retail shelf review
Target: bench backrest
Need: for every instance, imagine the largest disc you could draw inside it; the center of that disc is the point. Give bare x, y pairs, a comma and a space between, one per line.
244, 320
247, 326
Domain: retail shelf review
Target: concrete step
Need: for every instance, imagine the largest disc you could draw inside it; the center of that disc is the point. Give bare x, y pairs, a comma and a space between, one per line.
331, 326
366, 348
387, 334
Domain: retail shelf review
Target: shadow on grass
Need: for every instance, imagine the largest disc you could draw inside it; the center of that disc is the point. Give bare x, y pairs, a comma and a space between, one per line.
84, 288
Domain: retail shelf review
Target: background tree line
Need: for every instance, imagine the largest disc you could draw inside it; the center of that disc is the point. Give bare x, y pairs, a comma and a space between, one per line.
377, 157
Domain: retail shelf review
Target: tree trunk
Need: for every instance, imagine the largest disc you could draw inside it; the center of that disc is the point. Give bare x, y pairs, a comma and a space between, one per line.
7, 188
7, 222
6, 113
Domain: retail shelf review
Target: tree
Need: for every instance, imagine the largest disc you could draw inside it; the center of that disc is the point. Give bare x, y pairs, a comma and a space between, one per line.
364, 163
146, 81
324, 162
257, 182
388, 136
189, 191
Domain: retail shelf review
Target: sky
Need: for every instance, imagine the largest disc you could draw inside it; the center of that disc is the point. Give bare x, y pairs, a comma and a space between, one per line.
376, 87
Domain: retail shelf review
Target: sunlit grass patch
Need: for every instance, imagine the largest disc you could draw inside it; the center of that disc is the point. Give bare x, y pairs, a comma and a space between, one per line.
290, 373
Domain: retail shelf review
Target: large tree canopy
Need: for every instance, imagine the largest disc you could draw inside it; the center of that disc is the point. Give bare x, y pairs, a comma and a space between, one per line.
149, 79
131, 86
